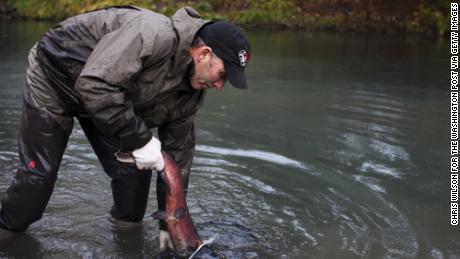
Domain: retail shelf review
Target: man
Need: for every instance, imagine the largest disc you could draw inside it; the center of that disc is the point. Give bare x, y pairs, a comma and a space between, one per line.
119, 71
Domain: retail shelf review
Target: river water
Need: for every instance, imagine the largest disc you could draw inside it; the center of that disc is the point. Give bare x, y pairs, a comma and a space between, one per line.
339, 149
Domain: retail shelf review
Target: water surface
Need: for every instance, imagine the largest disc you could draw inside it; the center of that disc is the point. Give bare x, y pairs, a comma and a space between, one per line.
339, 149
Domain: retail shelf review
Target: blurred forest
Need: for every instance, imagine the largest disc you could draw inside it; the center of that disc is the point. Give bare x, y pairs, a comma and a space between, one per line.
427, 17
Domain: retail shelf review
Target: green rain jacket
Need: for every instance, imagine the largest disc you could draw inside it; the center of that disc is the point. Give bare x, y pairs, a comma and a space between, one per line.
127, 69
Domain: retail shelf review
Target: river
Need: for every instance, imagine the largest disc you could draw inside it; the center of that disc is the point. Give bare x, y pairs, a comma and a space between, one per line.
339, 149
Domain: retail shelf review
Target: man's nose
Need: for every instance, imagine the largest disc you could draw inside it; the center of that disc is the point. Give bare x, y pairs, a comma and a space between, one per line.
219, 84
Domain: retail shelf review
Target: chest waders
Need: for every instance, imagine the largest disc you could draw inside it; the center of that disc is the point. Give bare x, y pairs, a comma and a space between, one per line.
43, 135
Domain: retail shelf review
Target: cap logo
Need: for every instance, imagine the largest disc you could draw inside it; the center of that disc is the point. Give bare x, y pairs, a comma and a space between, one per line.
244, 57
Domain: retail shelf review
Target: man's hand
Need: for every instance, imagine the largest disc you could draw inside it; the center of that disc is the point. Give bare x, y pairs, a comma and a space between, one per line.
165, 241
149, 157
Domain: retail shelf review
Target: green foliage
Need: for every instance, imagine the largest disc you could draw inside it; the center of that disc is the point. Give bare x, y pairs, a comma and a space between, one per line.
428, 20
330, 22
34, 8
420, 16
90, 5
326, 22
58, 9
206, 9
263, 12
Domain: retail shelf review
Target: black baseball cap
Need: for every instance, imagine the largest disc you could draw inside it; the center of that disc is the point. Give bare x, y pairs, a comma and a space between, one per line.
230, 43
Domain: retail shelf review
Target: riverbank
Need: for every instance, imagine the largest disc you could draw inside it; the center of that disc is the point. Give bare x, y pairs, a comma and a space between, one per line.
428, 18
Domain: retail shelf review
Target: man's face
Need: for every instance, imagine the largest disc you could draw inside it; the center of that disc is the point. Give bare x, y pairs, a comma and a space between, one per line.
209, 72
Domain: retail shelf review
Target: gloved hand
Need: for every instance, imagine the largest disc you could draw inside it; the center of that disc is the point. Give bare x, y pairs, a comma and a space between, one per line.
165, 241
149, 157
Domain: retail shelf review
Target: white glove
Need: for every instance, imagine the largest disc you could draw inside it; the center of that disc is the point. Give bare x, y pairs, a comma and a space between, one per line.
149, 157
165, 241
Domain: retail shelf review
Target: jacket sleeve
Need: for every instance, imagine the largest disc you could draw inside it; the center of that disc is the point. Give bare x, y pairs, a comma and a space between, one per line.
178, 140
112, 67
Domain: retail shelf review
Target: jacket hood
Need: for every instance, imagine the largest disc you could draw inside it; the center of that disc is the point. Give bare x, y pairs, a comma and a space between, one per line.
186, 22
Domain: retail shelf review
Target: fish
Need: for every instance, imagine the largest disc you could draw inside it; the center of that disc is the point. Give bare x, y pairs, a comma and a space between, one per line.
179, 223
177, 216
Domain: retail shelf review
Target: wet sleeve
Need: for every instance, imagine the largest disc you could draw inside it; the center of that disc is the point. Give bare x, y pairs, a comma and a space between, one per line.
178, 140
112, 68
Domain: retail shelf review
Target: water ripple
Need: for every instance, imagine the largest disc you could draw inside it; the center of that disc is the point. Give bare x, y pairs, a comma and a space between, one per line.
381, 169
257, 154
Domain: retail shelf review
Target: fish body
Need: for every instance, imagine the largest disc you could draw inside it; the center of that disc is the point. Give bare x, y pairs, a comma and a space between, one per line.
177, 216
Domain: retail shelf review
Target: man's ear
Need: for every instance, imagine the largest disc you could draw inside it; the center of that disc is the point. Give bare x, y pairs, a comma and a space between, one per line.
204, 54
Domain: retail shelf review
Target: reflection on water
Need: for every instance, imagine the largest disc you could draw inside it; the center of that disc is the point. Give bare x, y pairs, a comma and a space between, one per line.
337, 150
257, 154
